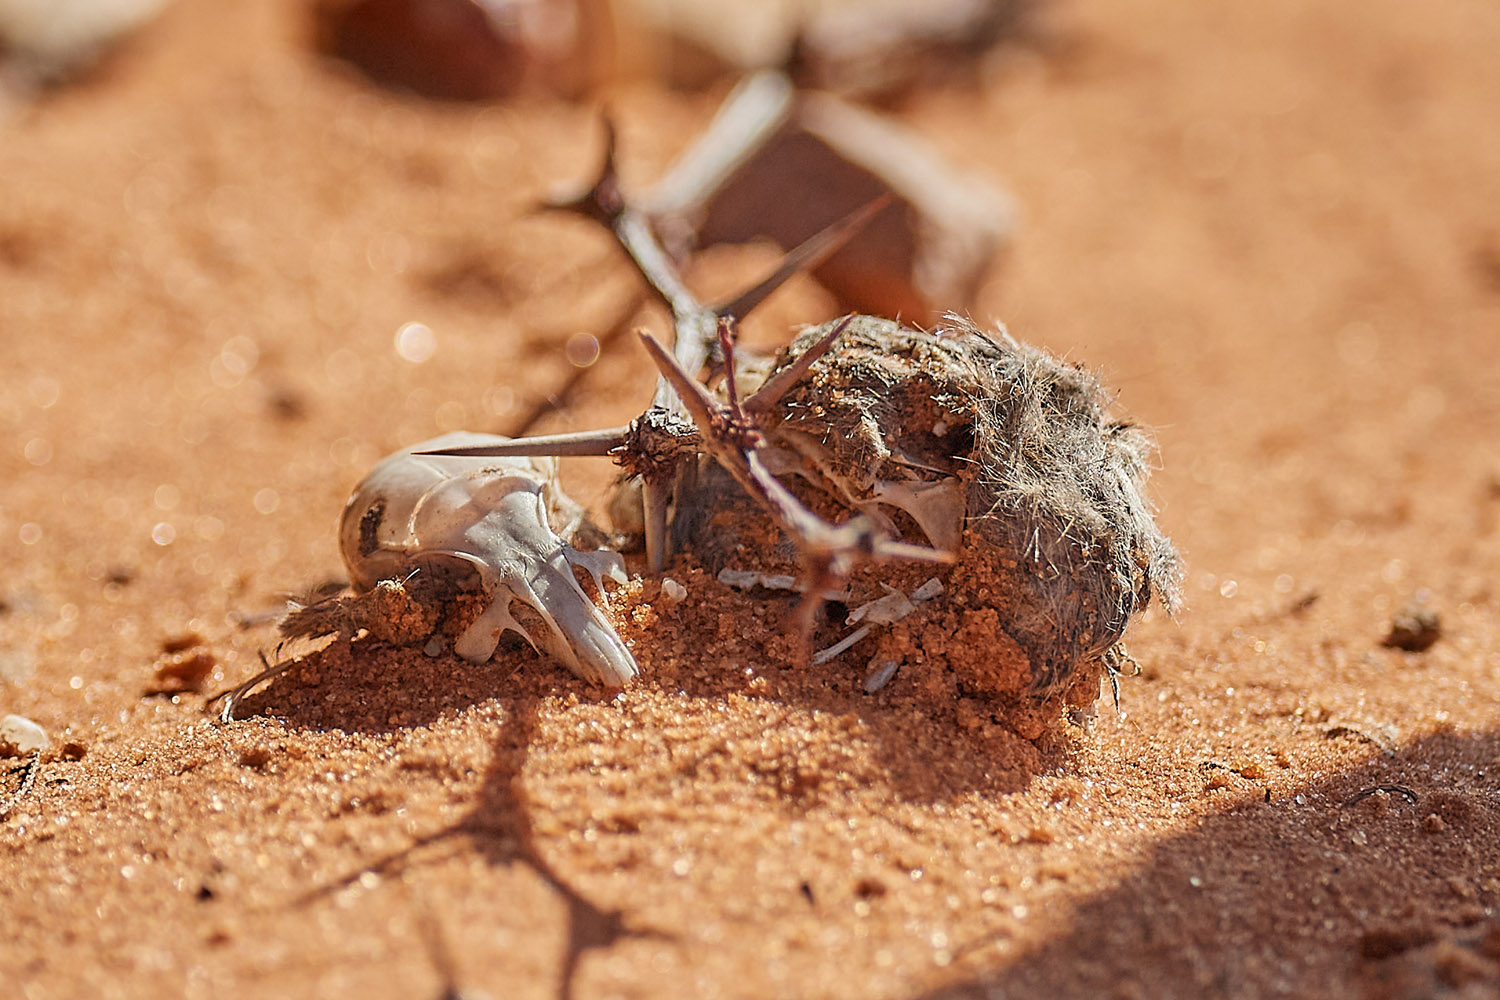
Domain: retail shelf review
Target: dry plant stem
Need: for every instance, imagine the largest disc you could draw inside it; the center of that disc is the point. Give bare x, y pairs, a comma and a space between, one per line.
33, 766
269, 672
694, 325
777, 385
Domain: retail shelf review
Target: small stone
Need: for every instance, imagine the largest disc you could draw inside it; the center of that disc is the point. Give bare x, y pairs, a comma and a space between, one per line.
880, 671
672, 592
20, 736
1414, 629
1433, 824
1385, 942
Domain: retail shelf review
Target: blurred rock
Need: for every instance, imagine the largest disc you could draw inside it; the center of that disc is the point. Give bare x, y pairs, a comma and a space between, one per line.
20, 737
879, 49
870, 49
1414, 629
181, 641
46, 40
470, 50
782, 165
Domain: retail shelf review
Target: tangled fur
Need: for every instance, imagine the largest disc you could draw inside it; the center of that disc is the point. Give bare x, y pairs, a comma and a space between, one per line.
1053, 486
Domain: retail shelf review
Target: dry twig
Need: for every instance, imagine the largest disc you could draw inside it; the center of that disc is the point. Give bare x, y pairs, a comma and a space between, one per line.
32, 767
685, 420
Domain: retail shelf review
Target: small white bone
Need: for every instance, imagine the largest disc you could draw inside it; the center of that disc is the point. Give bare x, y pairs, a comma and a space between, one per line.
432, 512
937, 507
886, 610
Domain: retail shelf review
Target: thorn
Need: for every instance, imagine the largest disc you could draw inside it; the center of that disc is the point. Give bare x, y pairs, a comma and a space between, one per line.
804, 257
726, 348
604, 201
777, 385
654, 498
887, 548
600, 442
701, 406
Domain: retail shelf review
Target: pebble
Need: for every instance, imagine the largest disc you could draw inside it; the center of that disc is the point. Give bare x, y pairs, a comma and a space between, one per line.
52, 38
881, 670
20, 736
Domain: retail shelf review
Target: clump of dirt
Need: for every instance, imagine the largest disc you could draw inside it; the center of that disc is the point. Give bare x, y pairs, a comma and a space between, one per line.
396, 611
986, 447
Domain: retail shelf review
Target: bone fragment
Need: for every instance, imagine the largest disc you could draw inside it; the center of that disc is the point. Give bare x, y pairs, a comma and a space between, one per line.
937, 507
886, 610
746, 579
491, 517
893, 607
881, 670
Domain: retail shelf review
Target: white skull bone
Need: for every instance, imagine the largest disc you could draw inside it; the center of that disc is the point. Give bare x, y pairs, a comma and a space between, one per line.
437, 512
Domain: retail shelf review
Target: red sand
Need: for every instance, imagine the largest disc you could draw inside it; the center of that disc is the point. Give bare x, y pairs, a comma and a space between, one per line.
1273, 227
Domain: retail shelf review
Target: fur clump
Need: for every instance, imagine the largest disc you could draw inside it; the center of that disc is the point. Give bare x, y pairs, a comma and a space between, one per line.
1058, 534
391, 611
1059, 487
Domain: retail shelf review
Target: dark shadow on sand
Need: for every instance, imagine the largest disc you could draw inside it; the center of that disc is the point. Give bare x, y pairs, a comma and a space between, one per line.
374, 688
1332, 891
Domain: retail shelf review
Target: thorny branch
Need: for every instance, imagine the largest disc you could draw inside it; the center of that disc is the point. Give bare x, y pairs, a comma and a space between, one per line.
694, 324
731, 438
685, 420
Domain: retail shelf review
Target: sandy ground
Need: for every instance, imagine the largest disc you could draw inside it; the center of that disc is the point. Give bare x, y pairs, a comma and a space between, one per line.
1273, 227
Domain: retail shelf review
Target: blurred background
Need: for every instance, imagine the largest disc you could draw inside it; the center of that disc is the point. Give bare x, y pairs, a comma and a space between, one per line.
246, 249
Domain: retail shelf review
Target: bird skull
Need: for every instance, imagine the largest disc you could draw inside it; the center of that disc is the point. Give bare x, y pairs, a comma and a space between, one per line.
442, 514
